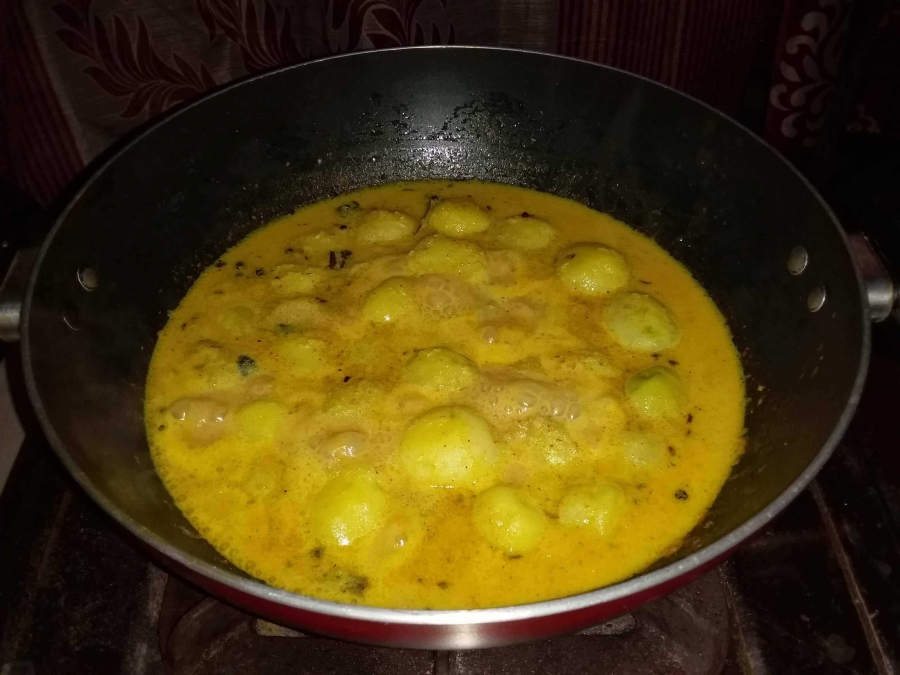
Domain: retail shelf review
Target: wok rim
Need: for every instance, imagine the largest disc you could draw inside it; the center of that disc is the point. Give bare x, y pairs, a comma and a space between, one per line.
633, 586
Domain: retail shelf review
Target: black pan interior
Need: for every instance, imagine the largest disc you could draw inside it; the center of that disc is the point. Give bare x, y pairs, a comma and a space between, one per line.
706, 190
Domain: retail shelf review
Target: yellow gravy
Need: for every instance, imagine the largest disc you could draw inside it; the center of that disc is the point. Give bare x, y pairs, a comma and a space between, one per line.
445, 395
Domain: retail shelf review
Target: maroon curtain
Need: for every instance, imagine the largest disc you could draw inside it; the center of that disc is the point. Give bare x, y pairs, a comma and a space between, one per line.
75, 75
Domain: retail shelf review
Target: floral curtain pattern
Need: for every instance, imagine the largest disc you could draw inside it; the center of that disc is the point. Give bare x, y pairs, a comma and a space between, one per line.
76, 75
806, 70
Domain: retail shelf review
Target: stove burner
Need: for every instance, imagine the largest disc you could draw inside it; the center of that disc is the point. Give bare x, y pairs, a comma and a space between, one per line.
685, 633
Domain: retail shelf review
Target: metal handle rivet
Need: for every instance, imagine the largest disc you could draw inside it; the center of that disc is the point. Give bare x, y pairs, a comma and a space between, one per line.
87, 277
72, 316
797, 260
816, 299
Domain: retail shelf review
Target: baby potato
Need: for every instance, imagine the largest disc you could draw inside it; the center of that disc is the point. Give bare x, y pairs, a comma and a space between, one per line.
447, 447
640, 322
440, 255
458, 217
317, 245
378, 226
592, 270
221, 375
524, 232
378, 269
203, 352
509, 522
551, 441
599, 427
440, 369
441, 297
303, 355
259, 386
261, 483
201, 419
502, 267
343, 445
261, 421
352, 401
299, 313
599, 507
578, 365
237, 320
388, 301
293, 280
350, 506
401, 535
657, 392
642, 450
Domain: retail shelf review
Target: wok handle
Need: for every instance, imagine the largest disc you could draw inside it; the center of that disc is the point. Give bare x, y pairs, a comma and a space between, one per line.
23, 224
881, 290
12, 292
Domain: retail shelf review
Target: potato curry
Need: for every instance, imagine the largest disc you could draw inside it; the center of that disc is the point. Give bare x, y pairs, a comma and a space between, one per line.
438, 395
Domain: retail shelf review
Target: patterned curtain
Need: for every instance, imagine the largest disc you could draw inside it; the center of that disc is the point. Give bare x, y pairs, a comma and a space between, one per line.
75, 75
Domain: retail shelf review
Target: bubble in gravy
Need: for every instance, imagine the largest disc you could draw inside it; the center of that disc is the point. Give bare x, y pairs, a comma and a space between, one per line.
526, 398
442, 297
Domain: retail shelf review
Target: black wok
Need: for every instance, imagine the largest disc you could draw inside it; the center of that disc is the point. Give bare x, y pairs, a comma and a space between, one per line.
713, 195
